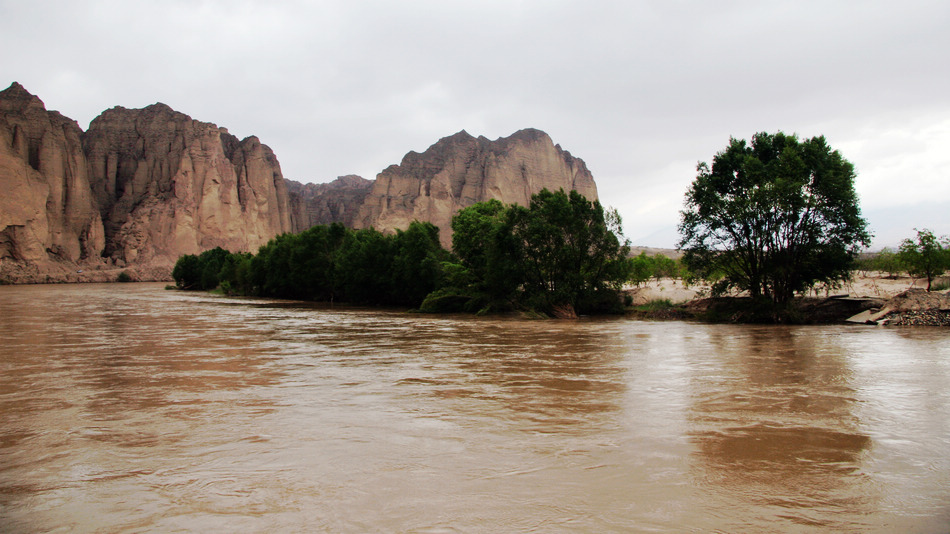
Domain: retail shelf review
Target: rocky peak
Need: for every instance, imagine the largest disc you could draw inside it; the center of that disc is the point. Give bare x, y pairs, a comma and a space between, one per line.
17, 99
169, 185
460, 170
47, 212
457, 138
526, 135
350, 180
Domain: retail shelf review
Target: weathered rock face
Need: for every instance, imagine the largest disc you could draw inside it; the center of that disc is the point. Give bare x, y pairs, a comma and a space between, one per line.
47, 211
168, 185
461, 170
336, 202
143, 186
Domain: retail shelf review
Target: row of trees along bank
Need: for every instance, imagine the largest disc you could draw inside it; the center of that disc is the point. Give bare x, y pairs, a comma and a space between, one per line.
326, 263
925, 256
561, 255
773, 218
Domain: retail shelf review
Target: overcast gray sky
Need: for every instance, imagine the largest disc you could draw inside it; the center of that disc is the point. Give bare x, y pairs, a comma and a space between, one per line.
641, 90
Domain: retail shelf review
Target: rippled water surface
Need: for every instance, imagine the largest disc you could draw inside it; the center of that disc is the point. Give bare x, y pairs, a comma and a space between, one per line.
128, 408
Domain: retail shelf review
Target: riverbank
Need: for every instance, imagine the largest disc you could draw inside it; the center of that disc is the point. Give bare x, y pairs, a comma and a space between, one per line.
883, 300
666, 299
61, 273
864, 285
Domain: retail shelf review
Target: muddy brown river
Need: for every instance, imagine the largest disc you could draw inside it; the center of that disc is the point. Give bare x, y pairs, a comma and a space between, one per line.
129, 408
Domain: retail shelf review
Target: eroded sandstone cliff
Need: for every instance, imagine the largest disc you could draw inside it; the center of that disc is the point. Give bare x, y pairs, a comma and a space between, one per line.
143, 186
47, 211
461, 170
168, 185
140, 188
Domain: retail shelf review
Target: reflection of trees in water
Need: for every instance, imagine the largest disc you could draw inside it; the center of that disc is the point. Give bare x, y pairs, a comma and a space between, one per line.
538, 375
775, 421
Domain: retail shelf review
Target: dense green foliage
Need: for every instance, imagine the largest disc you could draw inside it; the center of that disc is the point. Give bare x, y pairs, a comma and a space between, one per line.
560, 255
640, 269
773, 217
925, 256
487, 274
643, 268
201, 272
571, 254
326, 263
885, 261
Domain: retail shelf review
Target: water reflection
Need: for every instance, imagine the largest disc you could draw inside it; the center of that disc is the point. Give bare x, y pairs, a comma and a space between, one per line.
97, 380
123, 354
777, 423
130, 408
556, 378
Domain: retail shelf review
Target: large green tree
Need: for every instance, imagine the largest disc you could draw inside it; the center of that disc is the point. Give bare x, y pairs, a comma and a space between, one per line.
561, 255
199, 272
925, 256
416, 266
483, 240
774, 216
572, 254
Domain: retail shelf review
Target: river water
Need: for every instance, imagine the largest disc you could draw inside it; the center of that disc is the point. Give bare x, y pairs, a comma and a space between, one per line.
129, 408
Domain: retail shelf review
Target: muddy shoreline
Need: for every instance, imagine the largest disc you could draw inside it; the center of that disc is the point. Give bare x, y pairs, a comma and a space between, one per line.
55, 273
884, 300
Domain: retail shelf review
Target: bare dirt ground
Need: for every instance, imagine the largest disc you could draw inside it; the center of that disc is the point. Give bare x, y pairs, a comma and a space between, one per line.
56, 273
873, 285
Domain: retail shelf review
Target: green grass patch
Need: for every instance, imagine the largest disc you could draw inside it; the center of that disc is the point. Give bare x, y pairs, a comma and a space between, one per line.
660, 309
940, 286
655, 305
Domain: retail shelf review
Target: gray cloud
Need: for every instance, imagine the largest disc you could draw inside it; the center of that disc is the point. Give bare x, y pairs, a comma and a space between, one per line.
640, 90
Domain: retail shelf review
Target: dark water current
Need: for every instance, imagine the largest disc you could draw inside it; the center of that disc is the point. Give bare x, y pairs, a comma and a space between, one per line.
128, 408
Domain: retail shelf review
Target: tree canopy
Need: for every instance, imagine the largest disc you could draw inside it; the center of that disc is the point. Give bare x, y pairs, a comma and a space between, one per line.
562, 254
327, 263
773, 217
572, 253
925, 256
